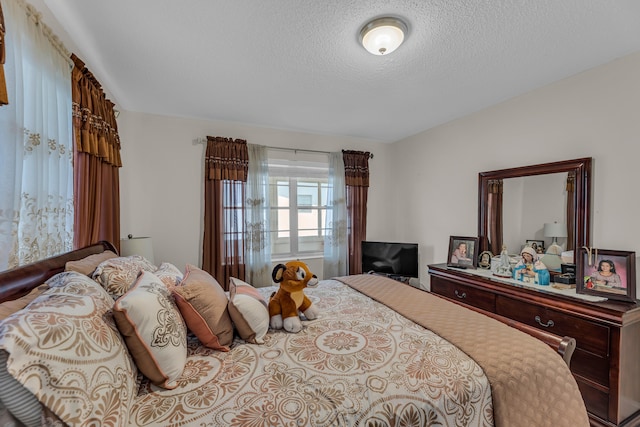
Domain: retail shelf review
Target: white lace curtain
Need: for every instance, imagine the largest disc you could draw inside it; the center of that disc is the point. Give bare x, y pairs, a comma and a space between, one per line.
36, 151
336, 253
257, 244
257, 223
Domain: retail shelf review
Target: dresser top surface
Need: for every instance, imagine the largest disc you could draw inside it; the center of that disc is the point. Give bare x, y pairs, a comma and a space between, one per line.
536, 292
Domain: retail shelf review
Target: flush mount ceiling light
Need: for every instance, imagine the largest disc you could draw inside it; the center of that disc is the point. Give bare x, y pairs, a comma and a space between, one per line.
383, 35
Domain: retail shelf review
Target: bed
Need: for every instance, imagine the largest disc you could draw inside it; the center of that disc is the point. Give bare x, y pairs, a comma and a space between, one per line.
382, 353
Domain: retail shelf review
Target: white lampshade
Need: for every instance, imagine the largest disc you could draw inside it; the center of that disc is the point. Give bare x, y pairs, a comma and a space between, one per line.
383, 35
554, 229
142, 246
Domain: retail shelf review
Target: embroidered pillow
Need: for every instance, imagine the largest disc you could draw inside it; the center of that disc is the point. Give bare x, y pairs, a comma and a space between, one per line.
153, 330
203, 305
169, 274
64, 349
248, 311
117, 275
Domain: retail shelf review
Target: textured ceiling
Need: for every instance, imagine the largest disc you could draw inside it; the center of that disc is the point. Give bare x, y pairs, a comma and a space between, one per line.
297, 65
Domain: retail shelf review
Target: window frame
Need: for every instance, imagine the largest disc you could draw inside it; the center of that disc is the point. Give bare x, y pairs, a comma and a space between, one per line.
294, 241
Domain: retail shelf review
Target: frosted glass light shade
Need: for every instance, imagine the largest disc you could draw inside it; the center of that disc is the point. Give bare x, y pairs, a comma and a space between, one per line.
137, 246
383, 35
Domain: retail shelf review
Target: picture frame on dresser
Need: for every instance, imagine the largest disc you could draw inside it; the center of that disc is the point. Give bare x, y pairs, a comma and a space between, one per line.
484, 260
607, 273
463, 252
537, 245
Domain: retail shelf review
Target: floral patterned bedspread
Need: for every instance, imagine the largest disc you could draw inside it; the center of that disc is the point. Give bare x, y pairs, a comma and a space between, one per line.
531, 385
359, 364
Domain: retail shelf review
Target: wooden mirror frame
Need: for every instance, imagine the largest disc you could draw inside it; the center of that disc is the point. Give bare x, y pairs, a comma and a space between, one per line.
581, 168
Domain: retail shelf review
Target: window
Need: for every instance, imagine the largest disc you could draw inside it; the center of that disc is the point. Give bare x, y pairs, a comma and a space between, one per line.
233, 193
298, 197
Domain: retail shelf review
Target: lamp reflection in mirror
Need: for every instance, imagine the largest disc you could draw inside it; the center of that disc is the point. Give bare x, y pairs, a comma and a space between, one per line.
383, 35
555, 230
142, 246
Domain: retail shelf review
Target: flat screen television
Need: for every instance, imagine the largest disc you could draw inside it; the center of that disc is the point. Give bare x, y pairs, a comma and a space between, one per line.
394, 259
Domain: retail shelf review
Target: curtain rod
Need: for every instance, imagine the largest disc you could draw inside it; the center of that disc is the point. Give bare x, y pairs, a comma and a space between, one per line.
204, 141
305, 150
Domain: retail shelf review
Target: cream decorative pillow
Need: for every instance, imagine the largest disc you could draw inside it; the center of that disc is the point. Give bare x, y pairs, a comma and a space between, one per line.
65, 349
89, 264
117, 275
169, 274
203, 305
153, 330
248, 310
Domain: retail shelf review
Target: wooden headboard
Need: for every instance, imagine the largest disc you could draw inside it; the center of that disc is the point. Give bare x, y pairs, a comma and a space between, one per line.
19, 281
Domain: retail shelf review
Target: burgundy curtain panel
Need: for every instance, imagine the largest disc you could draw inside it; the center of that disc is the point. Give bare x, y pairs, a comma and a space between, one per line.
356, 170
4, 97
226, 169
495, 216
571, 210
97, 161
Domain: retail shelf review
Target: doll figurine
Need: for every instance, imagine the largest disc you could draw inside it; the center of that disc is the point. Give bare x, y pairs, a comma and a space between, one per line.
530, 269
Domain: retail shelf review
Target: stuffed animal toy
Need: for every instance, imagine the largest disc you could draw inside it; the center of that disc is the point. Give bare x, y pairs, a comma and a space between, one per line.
286, 304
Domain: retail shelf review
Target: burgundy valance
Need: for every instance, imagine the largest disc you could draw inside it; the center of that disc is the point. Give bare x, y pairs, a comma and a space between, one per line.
94, 120
226, 159
356, 168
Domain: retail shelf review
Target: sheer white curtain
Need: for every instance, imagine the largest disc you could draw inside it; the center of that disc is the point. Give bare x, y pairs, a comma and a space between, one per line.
257, 244
36, 152
335, 242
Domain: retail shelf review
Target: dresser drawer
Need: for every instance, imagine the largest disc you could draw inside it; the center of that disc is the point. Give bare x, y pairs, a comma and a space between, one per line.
590, 336
591, 367
464, 294
595, 399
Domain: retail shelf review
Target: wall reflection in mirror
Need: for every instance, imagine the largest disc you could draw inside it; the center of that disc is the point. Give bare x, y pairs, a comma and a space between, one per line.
529, 203
515, 204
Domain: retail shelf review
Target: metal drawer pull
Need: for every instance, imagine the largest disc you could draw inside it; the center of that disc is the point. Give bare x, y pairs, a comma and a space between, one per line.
546, 325
460, 295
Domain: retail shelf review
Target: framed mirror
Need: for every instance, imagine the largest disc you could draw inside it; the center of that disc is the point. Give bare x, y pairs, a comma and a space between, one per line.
553, 190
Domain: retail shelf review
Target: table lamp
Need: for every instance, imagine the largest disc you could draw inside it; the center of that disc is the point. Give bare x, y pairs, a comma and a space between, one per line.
142, 246
555, 230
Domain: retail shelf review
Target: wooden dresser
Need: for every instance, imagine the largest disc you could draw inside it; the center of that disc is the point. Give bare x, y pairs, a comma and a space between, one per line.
606, 362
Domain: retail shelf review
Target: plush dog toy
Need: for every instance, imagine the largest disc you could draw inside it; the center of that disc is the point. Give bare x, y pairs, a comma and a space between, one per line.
286, 304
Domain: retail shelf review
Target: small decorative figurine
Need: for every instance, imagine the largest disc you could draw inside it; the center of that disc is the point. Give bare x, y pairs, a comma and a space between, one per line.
504, 269
530, 269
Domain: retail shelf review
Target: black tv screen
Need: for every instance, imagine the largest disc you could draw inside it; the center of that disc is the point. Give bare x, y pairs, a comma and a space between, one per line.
398, 259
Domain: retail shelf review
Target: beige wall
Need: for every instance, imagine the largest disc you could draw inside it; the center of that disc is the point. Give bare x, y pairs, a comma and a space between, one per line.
593, 114
161, 181
424, 188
